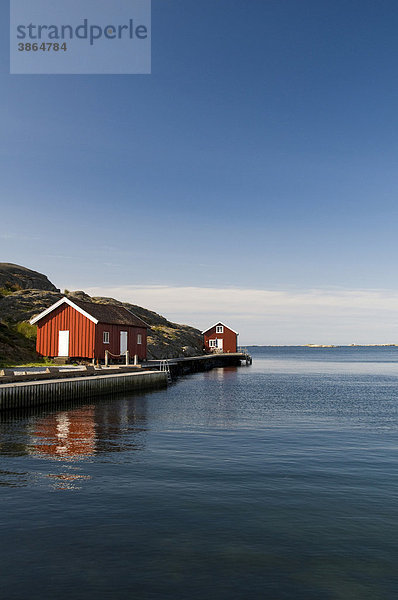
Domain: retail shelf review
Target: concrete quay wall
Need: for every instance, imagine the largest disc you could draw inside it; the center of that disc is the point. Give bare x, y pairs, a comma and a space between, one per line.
14, 396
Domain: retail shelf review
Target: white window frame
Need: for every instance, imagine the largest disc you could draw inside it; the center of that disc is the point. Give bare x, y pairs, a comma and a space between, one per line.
139, 338
219, 328
105, 337
212, 343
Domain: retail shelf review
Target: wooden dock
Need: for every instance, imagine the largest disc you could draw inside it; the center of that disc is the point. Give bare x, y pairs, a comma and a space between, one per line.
194, 364
53, 386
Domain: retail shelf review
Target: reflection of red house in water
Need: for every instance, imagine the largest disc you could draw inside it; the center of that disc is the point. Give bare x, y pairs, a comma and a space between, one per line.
66, 435
75, 329
220, 338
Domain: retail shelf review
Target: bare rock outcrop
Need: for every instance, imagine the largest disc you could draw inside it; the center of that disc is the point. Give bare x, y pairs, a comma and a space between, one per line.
22, 305
14, 277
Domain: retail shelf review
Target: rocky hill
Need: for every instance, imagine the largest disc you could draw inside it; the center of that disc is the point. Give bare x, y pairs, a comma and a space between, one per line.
15, 277
18, 305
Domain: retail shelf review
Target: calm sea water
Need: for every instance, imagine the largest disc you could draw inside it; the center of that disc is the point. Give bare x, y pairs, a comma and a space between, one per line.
276, 481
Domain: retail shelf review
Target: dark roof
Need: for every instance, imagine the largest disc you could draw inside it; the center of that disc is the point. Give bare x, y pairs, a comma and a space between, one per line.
110, 313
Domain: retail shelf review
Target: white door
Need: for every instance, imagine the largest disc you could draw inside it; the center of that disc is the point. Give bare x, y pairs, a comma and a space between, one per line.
123, 342
63, 343
219, 344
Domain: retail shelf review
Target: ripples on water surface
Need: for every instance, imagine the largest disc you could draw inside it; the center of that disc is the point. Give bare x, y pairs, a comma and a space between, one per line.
276, 481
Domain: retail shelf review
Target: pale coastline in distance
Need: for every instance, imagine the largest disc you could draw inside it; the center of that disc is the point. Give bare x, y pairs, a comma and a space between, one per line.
321, 345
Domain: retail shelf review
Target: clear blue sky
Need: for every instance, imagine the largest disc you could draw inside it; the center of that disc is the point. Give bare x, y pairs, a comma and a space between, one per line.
260, 154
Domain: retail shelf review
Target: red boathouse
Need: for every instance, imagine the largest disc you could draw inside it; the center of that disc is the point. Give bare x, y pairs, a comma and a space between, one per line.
84, 330
220, 338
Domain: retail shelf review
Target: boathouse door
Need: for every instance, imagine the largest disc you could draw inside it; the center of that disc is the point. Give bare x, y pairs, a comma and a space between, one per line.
63, 343
123, 342
219, 344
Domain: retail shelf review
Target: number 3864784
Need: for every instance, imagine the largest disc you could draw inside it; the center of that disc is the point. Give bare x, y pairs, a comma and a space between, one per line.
44, 47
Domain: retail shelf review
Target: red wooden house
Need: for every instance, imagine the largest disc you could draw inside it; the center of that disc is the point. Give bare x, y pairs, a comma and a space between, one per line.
85, 330
220, 338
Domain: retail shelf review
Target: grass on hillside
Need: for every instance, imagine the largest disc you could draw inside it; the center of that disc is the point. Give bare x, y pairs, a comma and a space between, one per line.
9, 289
5, 292
17, 344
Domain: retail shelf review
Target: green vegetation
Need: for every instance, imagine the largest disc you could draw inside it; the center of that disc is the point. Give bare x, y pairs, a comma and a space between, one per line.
9, 288
27, 330
17, 343
5, 292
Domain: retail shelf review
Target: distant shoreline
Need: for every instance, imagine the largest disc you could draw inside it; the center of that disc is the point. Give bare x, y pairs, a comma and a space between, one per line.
322, 346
